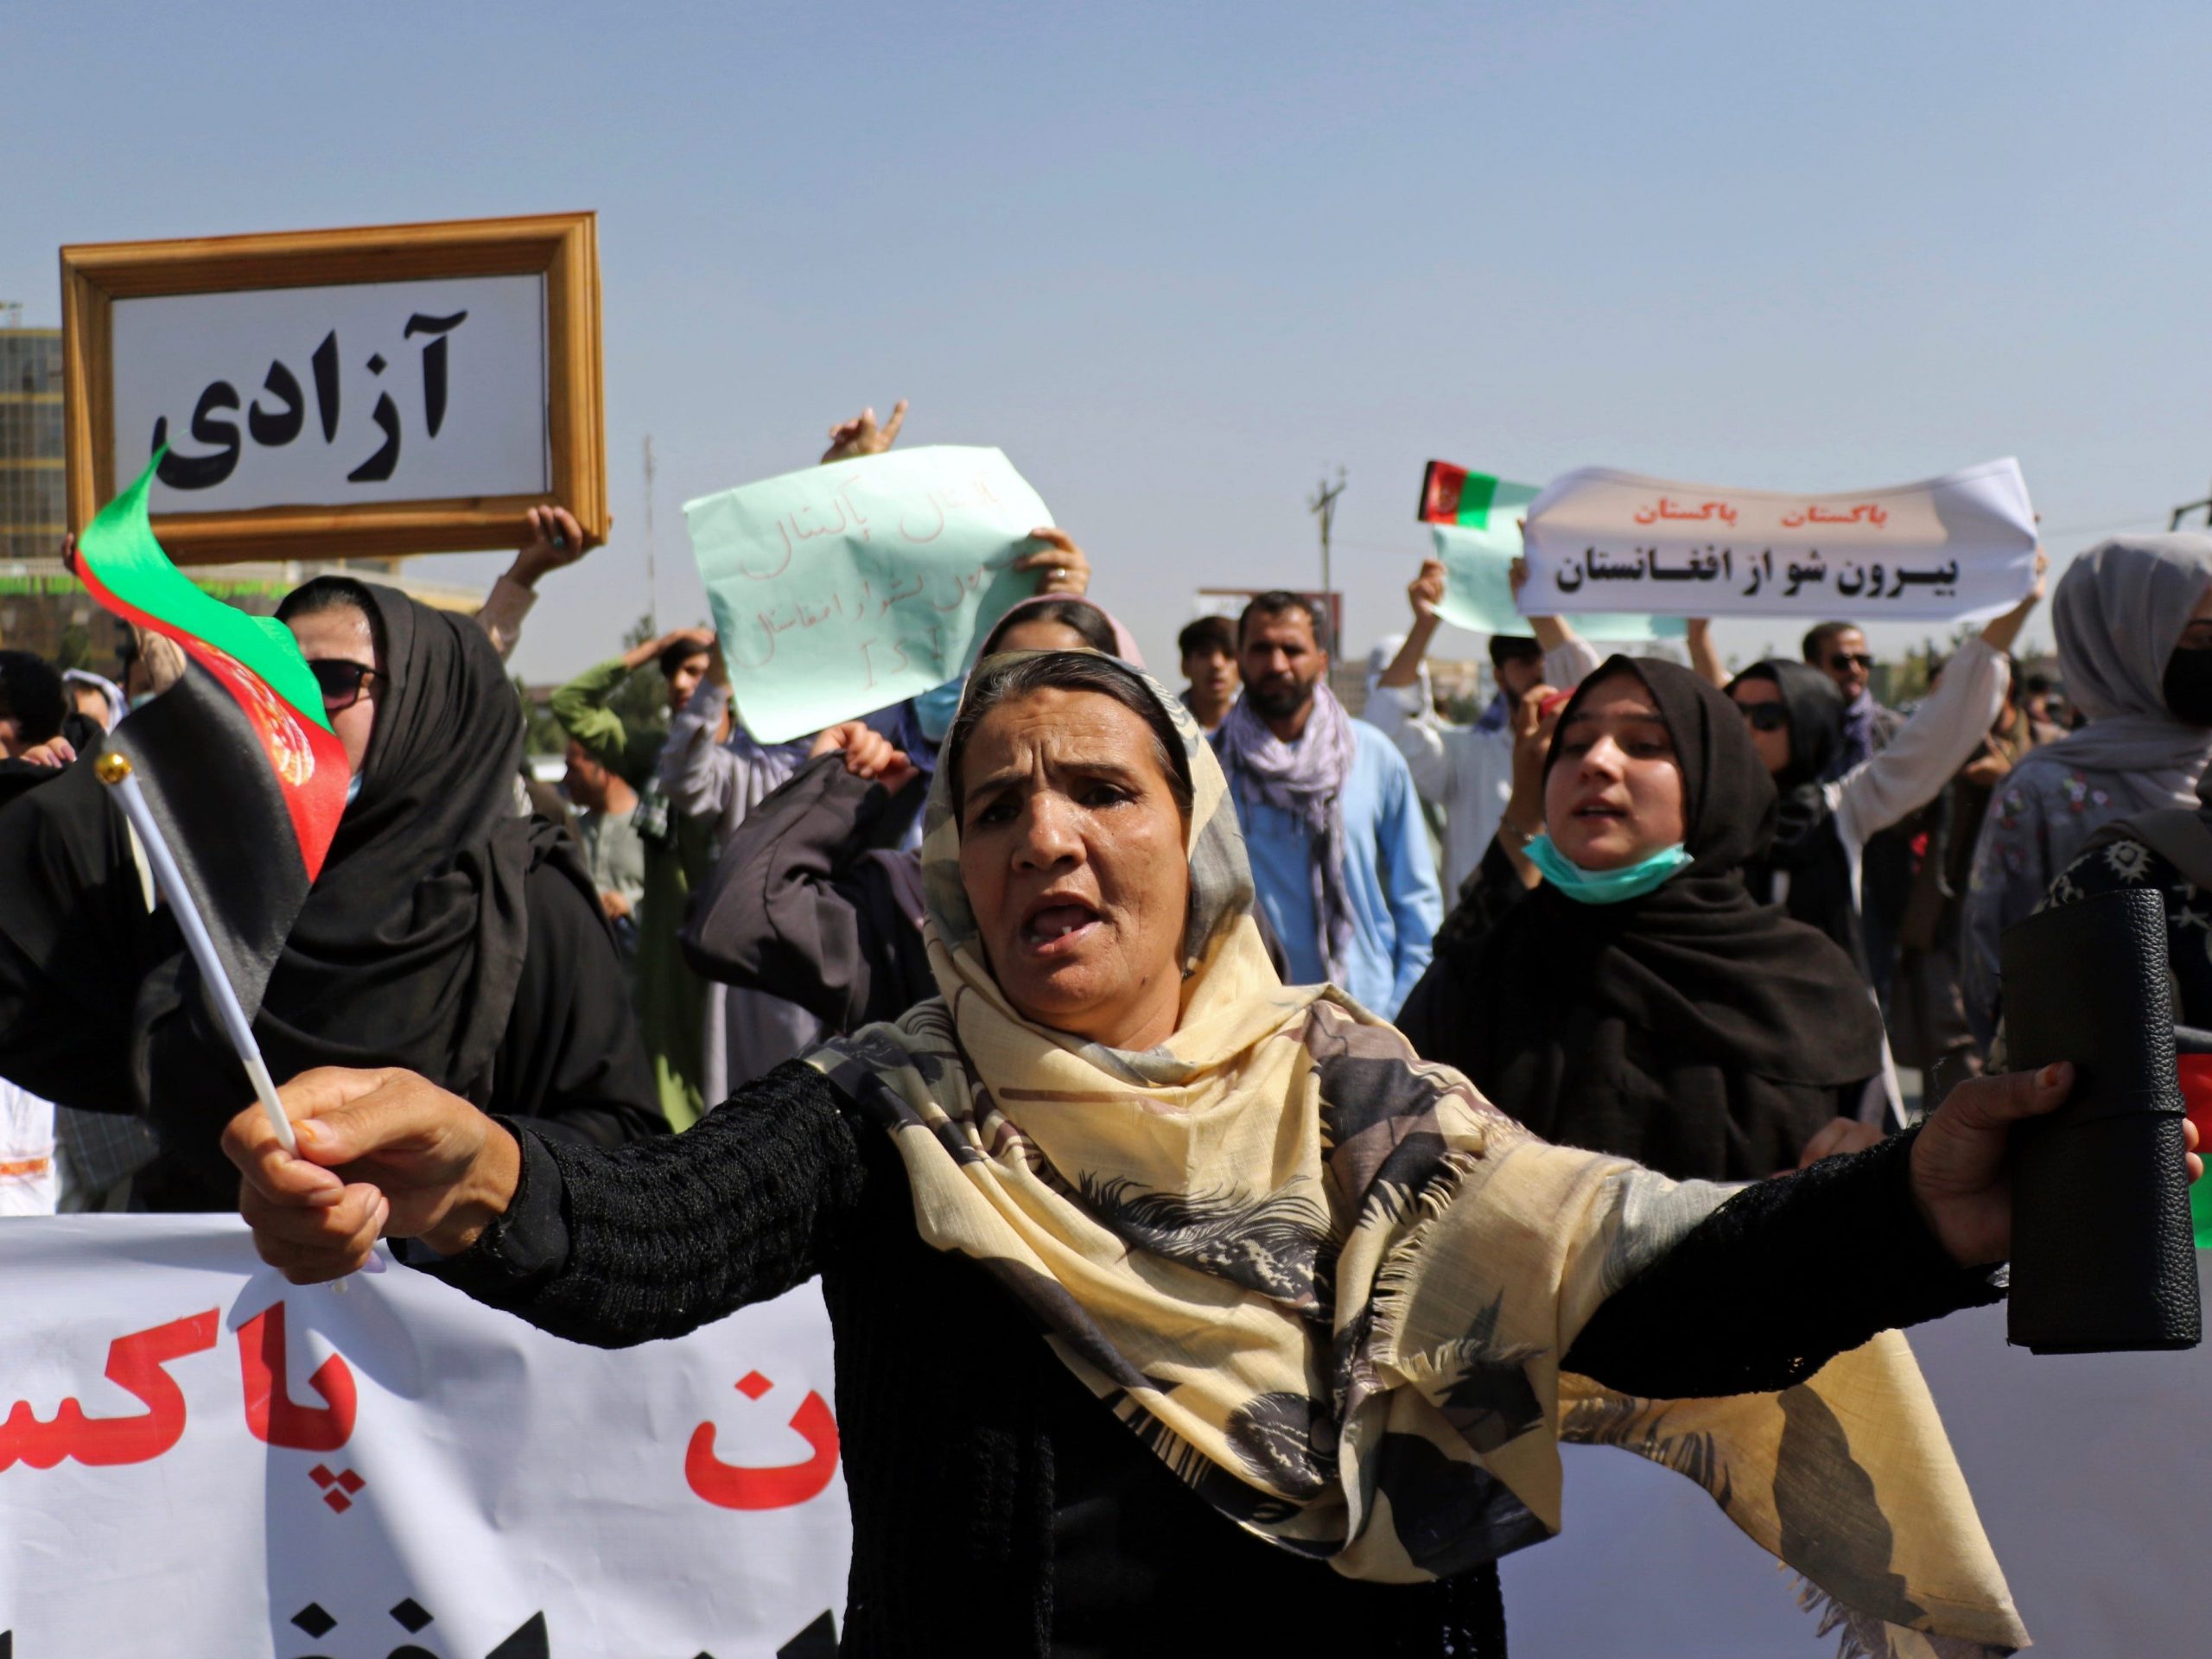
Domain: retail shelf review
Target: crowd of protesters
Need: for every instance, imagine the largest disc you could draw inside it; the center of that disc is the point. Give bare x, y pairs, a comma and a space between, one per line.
1647, 910
758, 897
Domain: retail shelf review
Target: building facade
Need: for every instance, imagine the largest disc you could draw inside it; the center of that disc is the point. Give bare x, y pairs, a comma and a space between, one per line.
32, 515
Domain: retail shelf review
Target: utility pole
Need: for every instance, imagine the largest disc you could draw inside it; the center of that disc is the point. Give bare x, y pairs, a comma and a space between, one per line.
653, 588
1322, 504
2188, 507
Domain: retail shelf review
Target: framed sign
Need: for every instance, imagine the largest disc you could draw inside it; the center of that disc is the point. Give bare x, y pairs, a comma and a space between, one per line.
339, 394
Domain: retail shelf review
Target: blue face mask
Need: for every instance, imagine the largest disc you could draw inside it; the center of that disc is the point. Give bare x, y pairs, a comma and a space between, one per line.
1605, 887
353, 789
935, 707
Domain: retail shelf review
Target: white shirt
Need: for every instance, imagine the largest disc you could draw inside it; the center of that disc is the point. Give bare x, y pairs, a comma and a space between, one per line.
1469, 774
1925, 755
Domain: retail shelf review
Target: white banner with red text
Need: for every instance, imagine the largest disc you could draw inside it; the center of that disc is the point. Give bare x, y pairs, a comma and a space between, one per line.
1960, 545
199, 1458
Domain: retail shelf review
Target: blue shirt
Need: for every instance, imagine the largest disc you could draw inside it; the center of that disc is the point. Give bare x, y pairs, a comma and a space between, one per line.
1389, 874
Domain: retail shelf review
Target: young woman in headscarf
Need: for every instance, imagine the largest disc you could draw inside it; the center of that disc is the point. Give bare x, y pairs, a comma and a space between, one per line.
445, 934
1796, 719
814, 898
1465, 771
2125, 614
2167, 851
1178, 1310
1639, 1000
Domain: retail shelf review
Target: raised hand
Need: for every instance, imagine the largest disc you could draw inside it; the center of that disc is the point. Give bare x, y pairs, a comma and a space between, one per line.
1063, 568
1999, 632
1535, 717
1426, 591
383, 1153
552, 538
868, 753
1705, 656
862, 436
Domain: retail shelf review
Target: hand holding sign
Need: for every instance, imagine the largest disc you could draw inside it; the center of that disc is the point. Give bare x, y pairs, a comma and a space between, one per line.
849, 440
1426, 591
846, 587
1061, 565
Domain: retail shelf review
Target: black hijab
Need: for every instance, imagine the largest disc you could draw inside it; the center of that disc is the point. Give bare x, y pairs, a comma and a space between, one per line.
1805, 844
411, 945
1693, 1028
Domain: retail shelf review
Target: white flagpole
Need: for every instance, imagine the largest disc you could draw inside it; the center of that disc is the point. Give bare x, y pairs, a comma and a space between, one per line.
114, 771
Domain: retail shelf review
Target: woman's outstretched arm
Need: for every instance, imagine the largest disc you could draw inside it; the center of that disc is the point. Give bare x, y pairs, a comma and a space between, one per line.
606, 1247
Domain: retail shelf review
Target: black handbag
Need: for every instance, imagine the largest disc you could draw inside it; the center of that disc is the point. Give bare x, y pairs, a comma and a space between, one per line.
2103, 1251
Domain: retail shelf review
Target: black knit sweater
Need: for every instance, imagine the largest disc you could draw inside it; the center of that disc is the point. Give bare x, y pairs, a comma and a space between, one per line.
956, 1417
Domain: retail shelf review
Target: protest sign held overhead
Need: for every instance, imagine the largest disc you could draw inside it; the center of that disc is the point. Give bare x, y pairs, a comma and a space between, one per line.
396, 389
842, 590
1959, 545
1475, 523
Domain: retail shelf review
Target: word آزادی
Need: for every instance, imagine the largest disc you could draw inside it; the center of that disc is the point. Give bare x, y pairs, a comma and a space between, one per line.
272, 429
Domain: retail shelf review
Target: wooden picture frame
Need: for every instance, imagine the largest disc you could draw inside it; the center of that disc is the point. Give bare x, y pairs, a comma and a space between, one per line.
561, 248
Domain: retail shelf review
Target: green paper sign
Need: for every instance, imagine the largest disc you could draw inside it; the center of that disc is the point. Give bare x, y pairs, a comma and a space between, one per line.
843, 589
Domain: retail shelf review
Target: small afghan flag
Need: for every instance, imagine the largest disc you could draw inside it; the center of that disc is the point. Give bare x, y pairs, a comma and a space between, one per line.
237, 761
1452, 495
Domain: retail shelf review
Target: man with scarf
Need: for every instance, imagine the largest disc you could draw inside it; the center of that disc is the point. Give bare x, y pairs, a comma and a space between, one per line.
1339, 855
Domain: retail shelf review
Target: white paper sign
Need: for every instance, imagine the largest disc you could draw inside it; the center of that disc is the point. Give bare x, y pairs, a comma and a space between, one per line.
1956, 546
334, 396
197, 1458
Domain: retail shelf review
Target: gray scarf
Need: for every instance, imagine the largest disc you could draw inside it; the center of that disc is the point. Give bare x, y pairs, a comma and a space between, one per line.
2119, 612
1307, 780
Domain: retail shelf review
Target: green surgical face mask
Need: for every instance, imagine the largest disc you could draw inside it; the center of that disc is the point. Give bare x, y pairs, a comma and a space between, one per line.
1605, 887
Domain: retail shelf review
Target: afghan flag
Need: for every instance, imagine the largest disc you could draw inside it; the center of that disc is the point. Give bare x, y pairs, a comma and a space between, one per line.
1475, 519
237, 761
1452, 495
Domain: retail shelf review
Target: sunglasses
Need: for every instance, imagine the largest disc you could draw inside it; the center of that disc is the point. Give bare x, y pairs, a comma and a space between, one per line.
1765, 716
340, 682
1844, 659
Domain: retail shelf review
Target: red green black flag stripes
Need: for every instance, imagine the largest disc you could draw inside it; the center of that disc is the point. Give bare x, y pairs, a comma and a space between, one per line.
237, 761
1452, 495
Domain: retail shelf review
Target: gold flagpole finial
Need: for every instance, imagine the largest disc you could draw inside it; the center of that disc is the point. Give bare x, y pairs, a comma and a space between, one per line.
112, 768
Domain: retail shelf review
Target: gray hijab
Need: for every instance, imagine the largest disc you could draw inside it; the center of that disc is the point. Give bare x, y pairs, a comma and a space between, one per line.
2120, 611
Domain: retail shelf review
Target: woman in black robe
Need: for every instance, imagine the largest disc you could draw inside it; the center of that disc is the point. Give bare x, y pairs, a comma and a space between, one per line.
446, 933
1690, 1027
1806, 852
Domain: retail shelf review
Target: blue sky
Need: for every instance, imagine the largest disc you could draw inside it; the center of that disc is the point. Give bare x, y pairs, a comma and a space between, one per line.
1176, 260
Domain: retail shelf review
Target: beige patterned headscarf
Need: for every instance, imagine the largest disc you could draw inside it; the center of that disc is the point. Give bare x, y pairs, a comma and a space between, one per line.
1329, 1285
